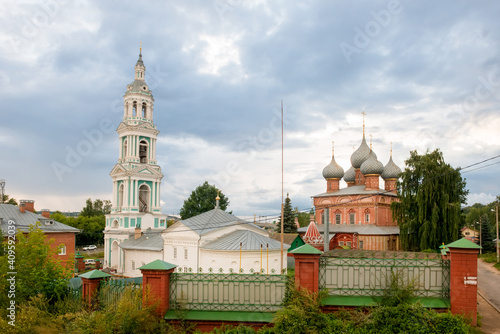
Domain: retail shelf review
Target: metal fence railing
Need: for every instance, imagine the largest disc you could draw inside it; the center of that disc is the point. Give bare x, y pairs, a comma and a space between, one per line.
227, 292
346, 272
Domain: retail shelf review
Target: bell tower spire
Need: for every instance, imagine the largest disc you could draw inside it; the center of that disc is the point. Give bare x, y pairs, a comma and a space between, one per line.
136, 176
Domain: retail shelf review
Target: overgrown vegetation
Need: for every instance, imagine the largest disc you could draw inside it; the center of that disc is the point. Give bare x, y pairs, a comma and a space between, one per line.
301, 314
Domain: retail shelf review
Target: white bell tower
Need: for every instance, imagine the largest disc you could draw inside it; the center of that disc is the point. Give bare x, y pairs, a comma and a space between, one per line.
136, 176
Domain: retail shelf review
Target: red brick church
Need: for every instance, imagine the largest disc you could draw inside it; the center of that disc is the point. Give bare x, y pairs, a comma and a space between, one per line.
359, 215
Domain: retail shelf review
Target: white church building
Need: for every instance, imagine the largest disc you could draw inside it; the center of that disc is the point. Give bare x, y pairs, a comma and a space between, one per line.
136, 231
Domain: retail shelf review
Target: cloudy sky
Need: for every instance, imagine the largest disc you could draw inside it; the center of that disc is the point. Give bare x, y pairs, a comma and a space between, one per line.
426, 73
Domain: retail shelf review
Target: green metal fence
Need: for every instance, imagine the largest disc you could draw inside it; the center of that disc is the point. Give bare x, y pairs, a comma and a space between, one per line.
227, 292
112, 290
368, 273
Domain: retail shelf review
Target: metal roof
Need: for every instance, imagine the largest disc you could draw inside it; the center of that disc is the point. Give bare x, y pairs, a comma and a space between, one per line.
360, 229
212, 220
356, 190
148, 241
158, 265
250, 241
24, 220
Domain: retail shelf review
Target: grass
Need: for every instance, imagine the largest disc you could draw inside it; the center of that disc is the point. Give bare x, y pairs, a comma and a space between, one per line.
490, 258
88, 255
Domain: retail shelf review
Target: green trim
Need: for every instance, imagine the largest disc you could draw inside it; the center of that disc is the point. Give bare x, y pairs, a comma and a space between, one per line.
266, 317
357, 301
139, 221
126, 222
129, 191
158, 265
306, 249
132, 222
463, 243
156, 222
95, 274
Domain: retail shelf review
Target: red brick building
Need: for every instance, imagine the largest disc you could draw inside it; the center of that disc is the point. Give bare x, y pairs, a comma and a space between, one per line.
24, 216
359, 215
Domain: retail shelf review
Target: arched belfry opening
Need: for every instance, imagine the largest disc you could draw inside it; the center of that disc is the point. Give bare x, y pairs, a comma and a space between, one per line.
124, 150
144, 196
143, 151
144, 108
134, 109
120, 197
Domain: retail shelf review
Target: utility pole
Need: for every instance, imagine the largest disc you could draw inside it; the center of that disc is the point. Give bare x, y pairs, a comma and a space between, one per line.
2, 185
498, 251
480, 236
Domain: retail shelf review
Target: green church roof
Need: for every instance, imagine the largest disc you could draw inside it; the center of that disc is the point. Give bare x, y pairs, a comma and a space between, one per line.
158, 265
95, 274
463, 243
306, 249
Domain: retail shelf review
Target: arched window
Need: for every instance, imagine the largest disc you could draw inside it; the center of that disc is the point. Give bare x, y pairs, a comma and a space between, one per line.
114, 223
338, 217
143, 151
134, 109
352, 217
120, 197
144, 110
125, 147
144, 194
367, 216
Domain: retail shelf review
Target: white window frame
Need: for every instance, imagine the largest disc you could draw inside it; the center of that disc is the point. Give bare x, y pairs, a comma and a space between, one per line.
352, 218
338, 218
185, 253
367, 217
62, 249
175, 252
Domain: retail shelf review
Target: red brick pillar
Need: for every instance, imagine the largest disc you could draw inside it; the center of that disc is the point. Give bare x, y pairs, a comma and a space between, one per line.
90, 285
307, 267
156, 285
80, 266
98, 264
463, 278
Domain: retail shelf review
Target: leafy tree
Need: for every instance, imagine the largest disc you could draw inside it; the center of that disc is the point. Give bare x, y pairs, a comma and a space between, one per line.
304, 217
487, 235
96, 208
431, 193
289, 218
7, 200
202, 199
37, 269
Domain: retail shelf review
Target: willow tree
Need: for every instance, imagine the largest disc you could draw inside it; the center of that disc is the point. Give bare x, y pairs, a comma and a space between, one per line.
431, 193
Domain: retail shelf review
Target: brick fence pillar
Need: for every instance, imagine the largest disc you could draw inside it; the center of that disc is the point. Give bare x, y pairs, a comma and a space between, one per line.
307, 267
463, 278
90, 284
156, 285
98, 264
80, 266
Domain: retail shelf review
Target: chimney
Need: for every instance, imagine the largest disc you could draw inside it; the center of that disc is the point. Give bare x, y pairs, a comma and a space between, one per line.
22, 207
29, 205
138, 233
46, 213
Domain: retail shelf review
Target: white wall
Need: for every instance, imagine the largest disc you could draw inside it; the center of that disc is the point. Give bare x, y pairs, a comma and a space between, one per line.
140, 258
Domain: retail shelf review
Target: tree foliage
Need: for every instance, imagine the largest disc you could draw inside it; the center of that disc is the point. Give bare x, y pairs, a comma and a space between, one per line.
304, 217
431, 193
289, 218
38, 271
202, 199
7, 200
91, 222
